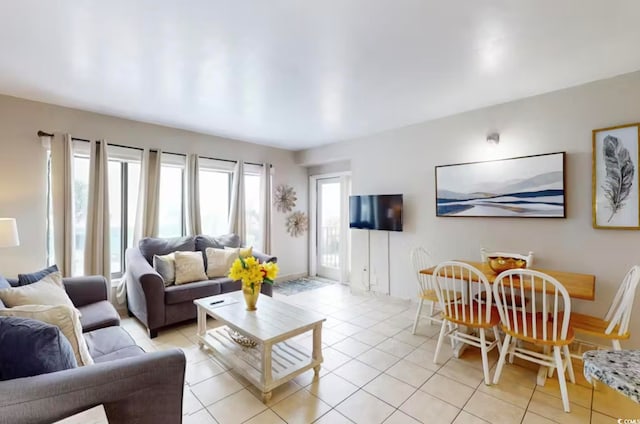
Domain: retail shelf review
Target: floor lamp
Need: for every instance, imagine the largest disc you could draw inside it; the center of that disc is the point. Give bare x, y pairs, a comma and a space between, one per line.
8, 233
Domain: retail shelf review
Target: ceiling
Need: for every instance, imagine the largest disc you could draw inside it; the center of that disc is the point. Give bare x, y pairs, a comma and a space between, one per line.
297, 74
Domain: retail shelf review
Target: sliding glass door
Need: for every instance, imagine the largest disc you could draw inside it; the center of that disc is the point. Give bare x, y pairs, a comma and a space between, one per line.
328, 228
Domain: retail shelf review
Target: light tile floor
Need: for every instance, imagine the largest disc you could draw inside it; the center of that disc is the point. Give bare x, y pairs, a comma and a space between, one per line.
375, 371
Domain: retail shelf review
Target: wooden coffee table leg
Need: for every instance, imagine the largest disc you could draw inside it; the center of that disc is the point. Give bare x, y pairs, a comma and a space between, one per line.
266, 396
202, 325
317, 348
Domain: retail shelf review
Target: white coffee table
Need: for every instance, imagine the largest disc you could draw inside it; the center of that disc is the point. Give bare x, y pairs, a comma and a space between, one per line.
276, 359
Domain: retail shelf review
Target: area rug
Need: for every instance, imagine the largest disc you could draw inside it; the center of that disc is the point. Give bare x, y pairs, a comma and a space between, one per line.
287, 288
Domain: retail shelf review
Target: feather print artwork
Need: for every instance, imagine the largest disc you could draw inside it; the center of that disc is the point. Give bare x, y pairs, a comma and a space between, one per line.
620, 171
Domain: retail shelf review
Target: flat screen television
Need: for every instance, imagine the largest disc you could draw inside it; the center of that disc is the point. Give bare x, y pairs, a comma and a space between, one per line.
376, 212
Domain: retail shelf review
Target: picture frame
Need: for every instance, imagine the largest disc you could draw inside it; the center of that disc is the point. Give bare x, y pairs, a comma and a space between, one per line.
521, 187
615, 185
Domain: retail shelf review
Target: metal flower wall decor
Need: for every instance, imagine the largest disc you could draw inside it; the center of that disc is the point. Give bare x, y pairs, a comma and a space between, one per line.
284, 198
297, 223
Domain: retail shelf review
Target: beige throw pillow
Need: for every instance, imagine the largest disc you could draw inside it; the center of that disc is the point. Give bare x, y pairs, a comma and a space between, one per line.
245, 252
189, 267
48, 291
65, 318
220, 260
165, 265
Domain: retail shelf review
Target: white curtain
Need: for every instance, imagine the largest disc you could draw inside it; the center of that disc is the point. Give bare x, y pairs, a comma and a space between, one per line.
192, 191
265, 207
146, 224
97, 251
237, 220
62, 188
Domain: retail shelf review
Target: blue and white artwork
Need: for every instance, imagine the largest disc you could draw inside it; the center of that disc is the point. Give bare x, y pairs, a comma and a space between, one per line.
530, 187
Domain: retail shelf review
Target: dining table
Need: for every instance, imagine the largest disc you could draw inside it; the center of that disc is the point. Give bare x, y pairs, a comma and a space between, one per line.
579, 286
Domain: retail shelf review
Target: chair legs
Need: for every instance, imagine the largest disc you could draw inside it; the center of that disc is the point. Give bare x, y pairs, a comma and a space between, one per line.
440, 338
415, 322
503, 357
561, 380
616, 344
485, 357
567, 357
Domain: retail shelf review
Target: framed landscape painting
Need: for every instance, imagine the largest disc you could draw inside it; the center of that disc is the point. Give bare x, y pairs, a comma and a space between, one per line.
616, 203
526, 187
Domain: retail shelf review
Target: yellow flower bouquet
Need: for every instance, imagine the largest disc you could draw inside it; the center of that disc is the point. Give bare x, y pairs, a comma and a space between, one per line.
252, 273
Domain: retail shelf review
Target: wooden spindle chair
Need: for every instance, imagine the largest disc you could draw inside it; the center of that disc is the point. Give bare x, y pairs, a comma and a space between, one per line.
546, 325
450, 279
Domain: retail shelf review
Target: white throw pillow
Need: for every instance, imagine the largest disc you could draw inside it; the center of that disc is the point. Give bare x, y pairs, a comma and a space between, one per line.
48, 291
220, 260
189, 267
165, 265
65, 318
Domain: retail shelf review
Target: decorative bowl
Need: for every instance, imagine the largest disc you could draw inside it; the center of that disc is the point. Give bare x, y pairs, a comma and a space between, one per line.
499, 263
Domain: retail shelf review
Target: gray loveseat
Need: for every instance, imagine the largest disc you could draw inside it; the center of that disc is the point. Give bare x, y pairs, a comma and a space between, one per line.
124, 378
157, 306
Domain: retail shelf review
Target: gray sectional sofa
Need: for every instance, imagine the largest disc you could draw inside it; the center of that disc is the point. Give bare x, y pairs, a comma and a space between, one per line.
124, 378
157, 306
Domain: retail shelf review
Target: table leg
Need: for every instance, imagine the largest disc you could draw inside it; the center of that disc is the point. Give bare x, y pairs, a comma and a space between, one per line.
317, 348
543, 371
202, 325
267, 375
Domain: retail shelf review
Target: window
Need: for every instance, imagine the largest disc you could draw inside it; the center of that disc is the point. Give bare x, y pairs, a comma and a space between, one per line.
171, 209
124, 181
215, 193
80, 201
252, 209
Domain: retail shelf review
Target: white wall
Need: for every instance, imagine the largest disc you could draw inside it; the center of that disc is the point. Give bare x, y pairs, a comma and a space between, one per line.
403, 160
23, 172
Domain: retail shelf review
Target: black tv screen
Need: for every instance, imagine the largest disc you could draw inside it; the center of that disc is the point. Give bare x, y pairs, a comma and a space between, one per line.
376, 212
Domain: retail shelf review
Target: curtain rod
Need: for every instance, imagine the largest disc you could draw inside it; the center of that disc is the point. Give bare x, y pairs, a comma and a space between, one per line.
42, 133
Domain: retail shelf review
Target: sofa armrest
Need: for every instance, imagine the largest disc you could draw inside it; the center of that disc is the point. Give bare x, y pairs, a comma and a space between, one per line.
263, 257
145, 290
86, 290
131, 390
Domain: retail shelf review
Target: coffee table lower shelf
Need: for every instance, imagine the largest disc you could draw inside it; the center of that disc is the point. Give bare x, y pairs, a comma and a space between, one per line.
266, 366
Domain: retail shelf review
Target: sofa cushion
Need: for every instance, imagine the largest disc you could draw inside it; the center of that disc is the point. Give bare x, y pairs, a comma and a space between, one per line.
4, 283
219, 261
31, 348
165, 265
110, 343
48, 291
25, 279
98, 315
65, 318
189, 267
150, 246
191, 291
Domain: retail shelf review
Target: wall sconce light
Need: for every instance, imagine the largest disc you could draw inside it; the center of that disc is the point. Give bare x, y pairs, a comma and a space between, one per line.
493, 138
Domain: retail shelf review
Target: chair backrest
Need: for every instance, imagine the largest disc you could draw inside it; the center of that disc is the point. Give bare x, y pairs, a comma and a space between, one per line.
421, 259
528, 258
620, 310
549, 302
454, 282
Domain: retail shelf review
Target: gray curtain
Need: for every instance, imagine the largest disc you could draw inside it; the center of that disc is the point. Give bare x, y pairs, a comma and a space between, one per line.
97, 249
62, 188
265, 207
148, 200
192, 192
237, 219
